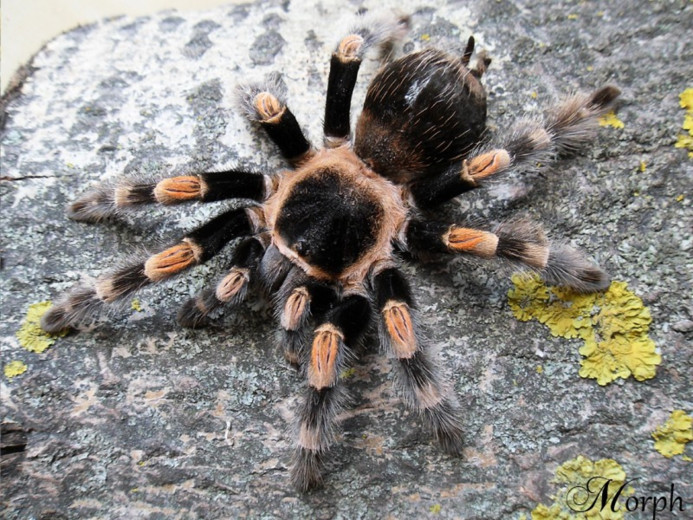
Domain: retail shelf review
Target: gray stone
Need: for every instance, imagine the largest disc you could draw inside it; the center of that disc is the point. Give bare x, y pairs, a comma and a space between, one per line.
139, 418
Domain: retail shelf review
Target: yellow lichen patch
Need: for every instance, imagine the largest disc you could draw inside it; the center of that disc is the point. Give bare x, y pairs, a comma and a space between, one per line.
581, 486
688, 121
686, 99
435, 509
671, 437
613, 324
541, 512
14, 369
30, 335
686, 141
643, 166
610, 119
136, 305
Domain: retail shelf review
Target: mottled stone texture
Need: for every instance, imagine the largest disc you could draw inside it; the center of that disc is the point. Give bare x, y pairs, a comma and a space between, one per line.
140, 419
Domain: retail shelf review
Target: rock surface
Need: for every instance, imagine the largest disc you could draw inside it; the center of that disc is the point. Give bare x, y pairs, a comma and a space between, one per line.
141, 419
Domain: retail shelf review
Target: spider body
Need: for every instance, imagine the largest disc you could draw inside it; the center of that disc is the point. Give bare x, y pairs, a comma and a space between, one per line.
322, 238
335, 218
421, 113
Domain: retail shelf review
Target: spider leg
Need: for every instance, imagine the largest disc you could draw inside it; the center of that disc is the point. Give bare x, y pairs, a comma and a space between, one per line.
417, 371
344, 68
196, 247
108, 200
273, 270
564, 130
231, 289
324, 396
266, 105
519, 241
299, 298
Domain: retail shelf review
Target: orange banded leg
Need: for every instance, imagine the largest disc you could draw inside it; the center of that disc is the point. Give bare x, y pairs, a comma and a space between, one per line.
344, 68
418, 375
519, 241
341, 328
300, 298
106, 201
231, 290
293, 320
529, 144
265, 105
459, 177
198, 246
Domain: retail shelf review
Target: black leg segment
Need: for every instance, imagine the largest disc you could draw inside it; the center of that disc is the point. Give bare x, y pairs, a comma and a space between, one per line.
344, 68
265, 104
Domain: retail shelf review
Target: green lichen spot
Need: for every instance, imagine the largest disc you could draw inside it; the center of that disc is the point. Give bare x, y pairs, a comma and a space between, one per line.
435, 509
136, 305
671, 437
14, 369
613, 324
30, 335
610, 119
580, 482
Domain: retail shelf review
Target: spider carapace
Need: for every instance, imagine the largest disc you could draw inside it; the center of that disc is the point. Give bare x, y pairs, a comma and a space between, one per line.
322, 239
335, 217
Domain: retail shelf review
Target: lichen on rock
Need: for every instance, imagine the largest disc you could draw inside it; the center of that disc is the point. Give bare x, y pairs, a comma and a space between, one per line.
581, 482
614, 325
671, 437
611, 119
686, 141
30, 335
14, 368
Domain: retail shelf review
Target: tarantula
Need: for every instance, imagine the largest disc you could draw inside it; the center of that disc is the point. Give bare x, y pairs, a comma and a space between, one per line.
322, 238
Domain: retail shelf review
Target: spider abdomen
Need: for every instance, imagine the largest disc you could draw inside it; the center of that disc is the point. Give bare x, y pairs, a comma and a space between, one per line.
421, 112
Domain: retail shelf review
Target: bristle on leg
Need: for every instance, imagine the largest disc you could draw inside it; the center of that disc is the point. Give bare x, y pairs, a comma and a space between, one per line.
574, 121
306, 470
568, 267
523, 241
79, 306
